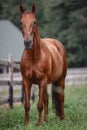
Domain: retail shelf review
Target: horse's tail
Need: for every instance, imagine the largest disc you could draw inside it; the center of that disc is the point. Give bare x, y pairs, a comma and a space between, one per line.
56, 90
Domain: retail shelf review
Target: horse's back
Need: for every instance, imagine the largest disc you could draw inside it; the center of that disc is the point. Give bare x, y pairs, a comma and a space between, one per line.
55, 44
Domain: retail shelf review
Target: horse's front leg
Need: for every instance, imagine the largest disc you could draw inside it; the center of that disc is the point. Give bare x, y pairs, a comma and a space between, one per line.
45, 100
42, 87
27, 90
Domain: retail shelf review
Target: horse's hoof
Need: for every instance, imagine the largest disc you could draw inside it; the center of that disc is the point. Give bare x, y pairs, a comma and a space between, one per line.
46, 118
39, 123
26, 123
62, 117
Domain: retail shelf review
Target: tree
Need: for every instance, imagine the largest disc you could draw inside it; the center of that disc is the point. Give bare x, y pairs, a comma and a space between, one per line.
67, 22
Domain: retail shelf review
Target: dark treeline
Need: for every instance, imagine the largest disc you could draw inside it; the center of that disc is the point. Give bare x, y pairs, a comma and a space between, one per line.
65, 20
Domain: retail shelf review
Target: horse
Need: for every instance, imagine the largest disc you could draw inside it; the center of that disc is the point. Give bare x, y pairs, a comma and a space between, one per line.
43, 61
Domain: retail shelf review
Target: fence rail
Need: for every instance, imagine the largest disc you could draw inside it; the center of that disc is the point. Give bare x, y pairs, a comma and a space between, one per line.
6, 64
75, 76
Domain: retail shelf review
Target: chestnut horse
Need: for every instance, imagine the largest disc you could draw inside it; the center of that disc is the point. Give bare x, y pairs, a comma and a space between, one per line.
43, 62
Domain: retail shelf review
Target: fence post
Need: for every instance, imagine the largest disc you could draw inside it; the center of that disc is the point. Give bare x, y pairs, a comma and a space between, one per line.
10, 81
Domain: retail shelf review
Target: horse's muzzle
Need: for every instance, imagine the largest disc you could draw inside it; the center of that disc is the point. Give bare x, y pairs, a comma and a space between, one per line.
28, 44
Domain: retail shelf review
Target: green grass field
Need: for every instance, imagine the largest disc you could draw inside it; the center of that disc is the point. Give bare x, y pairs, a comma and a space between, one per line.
75, 111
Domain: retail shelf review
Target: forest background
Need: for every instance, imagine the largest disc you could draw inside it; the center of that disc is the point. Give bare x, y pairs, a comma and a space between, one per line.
65, 20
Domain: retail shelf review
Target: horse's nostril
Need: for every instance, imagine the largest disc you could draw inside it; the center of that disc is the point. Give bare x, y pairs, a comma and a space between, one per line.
30, 42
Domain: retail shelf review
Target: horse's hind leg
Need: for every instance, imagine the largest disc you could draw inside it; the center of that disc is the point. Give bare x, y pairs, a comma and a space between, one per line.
58, 98
61, 98
45, 101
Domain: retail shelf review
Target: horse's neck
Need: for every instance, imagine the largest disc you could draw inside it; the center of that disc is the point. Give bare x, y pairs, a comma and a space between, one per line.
37, 46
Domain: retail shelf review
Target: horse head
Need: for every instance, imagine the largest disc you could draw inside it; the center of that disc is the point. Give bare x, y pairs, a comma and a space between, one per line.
28, 25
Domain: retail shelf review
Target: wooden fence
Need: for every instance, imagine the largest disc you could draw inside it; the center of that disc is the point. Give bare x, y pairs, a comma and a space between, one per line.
75, 76
11, 79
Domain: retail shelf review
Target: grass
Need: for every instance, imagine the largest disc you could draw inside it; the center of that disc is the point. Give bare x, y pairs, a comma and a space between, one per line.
75, 111
4, 94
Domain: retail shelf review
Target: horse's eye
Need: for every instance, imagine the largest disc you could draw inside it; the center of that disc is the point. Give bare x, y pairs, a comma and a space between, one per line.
21, 23
34, 23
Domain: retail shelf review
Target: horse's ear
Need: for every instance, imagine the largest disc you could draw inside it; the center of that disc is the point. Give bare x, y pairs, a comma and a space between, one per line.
33, 8
22, 8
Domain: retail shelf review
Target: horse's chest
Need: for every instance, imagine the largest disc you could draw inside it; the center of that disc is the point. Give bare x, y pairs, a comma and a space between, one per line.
34, 73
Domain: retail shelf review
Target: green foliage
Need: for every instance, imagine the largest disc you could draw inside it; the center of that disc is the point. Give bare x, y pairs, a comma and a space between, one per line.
65, 20
75, 111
